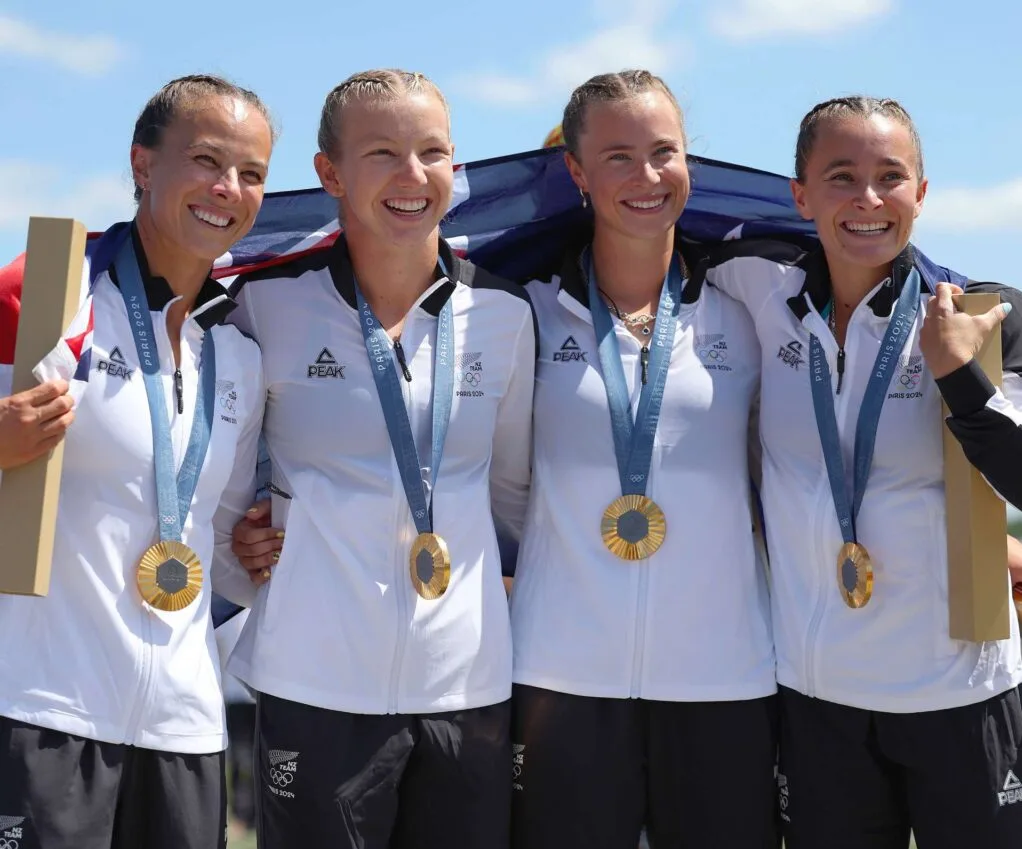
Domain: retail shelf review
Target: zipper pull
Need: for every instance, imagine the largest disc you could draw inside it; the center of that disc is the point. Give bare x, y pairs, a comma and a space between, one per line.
644, 359
179, 389
401, 359
840, 368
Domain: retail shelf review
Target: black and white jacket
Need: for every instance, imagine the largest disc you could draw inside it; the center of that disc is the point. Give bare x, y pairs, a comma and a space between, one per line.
339, 625
894, 654
91, 658
691, 622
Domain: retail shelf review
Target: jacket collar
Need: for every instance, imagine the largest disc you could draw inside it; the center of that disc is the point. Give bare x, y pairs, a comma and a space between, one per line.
573, 279
212, 305
344, 276
817, 284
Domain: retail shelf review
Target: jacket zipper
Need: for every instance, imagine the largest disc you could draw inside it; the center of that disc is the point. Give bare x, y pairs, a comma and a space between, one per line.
400, 351
828, 504
402, 518
642, 601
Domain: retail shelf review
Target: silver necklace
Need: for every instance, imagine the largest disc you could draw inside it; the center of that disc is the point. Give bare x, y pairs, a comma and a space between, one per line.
641, 320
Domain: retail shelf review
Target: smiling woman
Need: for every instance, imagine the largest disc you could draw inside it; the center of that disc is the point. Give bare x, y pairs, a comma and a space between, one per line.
399, 381
887, 724
95, 748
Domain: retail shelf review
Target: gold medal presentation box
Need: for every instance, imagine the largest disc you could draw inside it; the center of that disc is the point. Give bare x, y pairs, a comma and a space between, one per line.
29, 493
977, 522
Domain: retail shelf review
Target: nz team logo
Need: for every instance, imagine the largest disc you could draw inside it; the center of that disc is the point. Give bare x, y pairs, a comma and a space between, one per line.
906, 380
570, 352
283, 769
227, 401
792, 355
468, 374
712, 351
11, 832
115, 366
517, 764
325, 366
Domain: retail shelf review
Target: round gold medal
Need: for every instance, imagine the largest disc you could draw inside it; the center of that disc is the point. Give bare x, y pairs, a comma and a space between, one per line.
633, 527
169, 575
855, 574
429, 566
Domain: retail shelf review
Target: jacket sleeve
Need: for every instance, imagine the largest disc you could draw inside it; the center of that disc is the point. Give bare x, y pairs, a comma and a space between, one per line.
987, 421
228, 577
511, 467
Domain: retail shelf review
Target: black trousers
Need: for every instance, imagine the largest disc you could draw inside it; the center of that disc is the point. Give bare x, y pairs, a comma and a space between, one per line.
589, 772
58, 791
858, 779
240, 760
334, 780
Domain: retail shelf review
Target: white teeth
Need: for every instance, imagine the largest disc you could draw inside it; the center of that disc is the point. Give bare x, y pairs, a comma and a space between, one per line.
210, 218
862, 227
401, 205
646, 204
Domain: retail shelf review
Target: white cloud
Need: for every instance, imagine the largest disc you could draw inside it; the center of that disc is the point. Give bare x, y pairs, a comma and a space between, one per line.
91, 55
743, 20
986, 208
28, 188
643, 42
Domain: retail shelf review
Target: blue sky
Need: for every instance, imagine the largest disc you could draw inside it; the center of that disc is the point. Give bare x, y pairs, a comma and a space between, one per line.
74, 75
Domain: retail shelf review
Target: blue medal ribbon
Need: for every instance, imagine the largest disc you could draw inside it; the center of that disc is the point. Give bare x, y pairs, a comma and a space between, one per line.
633, 442
173, 492
388, 387
894, 340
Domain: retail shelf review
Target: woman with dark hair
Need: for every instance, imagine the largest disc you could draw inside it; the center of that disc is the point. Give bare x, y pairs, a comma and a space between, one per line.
111, 714
643, 660
888, 724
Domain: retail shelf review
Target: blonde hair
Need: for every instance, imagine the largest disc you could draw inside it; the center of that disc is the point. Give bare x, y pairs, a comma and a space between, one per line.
377, 85
605, 88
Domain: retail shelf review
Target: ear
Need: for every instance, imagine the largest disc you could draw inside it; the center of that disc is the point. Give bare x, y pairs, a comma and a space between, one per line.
141, 161
798, 194
575, 169
328, 175
920, 196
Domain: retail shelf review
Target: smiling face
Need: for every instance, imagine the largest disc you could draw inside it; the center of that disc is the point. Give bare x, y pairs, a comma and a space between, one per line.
203, 184
392, 168
631, 161
862, 189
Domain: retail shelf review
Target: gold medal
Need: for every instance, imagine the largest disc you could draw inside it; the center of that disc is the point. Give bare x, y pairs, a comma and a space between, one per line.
169, 576
855, 575
429, 566
633, 527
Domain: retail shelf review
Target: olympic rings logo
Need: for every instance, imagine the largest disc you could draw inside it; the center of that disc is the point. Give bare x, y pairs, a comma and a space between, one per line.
472, 378
281, 779
909, 381
713, 355
8, 844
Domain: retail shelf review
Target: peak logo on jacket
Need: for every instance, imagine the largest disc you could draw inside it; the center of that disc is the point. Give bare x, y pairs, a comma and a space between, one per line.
791, 355
115, 365
469, 374
1012, 791
325, 366
571, 352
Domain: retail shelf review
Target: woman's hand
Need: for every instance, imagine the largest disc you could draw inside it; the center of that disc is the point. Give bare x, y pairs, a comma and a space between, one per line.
950, 339
33, 422
256, 545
